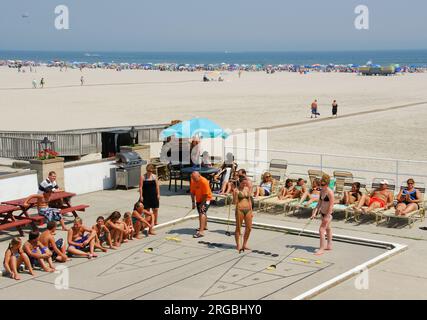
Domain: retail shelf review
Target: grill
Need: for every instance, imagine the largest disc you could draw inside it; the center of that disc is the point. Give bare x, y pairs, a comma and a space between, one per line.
128, 171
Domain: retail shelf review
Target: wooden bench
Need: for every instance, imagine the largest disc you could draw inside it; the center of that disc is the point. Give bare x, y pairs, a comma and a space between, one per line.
16, 224
74, 209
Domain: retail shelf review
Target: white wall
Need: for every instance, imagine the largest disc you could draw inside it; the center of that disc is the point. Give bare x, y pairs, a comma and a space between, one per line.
18, 187
90, 177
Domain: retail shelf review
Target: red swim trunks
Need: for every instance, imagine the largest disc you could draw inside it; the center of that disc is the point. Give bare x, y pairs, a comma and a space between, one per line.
379, 200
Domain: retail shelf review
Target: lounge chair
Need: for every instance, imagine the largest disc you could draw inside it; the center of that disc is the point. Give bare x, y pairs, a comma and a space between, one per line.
375, 185
217, 187
313, 174
411, 217
278, 169
341, 179
275, 202
274, 192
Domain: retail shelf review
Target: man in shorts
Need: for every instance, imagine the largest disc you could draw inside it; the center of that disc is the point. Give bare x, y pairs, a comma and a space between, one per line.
201, 196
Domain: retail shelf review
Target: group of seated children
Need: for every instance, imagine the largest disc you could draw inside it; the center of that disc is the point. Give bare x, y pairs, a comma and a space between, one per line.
41, 249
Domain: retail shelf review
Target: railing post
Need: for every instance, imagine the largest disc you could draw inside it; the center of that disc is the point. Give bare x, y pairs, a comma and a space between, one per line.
321, 162
397, 173
81, 144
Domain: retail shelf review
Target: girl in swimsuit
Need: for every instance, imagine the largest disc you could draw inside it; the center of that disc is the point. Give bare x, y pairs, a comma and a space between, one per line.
408, 199
102, 233
37, 253
116, 228
139, 222
313, 195
353, 196
14, 257
243, 202
325, 207
129, 230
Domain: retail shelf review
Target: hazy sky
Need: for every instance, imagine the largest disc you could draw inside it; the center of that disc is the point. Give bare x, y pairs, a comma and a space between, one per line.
216, 25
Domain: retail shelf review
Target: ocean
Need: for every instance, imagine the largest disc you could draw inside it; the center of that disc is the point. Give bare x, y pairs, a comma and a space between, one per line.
402, 57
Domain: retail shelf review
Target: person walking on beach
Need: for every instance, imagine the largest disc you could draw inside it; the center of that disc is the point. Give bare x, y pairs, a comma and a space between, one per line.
82, 80
34, 84
240, 73
42, 83
335, 108
314, 109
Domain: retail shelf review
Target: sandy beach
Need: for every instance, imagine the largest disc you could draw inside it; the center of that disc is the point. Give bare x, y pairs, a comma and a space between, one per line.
257, 99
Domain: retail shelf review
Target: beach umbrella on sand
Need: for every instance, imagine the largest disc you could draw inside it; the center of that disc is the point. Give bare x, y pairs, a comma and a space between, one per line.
197, 127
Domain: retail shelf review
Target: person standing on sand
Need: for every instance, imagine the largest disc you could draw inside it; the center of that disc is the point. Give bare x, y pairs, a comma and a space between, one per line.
314, 109
82, 80
240, 73
42, 83
335, 108
34, 84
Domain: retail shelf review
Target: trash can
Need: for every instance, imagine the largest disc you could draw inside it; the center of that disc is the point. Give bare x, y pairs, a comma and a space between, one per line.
128, 170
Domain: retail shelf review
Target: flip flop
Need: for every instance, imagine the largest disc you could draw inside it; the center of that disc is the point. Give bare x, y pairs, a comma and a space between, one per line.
198, 235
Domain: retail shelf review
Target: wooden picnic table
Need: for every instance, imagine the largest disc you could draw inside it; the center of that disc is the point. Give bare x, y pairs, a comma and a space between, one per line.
7, 209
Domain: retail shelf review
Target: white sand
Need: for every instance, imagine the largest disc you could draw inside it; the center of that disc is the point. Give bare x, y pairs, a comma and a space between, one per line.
112, 98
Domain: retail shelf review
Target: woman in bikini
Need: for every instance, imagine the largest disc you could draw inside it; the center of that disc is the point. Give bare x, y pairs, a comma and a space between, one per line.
242, 200
14, 257
312, 195
408, 199
379, 198
266, 187
353, 196
325, 207
287, 191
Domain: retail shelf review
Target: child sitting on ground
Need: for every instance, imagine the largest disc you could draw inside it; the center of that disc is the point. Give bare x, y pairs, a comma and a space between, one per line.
80, 238
14, 257
59, 252
102, 233
40, 256
129, 230
116, 228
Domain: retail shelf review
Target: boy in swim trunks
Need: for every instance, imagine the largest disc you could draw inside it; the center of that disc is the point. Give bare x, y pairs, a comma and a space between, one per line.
39, 255
56, 247
80, 238
379, 198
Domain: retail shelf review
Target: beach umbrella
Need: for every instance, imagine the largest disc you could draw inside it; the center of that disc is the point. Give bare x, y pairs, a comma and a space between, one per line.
197, 127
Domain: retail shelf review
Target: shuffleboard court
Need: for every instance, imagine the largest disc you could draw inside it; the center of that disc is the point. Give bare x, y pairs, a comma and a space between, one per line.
174, 265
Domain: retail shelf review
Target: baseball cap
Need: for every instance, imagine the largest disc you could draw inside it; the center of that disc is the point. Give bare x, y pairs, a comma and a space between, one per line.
384, 181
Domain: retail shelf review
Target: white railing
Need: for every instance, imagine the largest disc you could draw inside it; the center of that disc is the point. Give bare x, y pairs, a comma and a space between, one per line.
362, 167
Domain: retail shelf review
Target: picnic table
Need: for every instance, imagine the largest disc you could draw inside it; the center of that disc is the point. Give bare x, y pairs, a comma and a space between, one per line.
206, 172
10, 220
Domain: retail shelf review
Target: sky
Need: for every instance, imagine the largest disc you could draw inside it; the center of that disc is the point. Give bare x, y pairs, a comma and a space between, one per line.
220, 25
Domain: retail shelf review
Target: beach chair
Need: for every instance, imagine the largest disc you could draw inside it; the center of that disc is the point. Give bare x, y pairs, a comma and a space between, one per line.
278, 168
347, 209
412, 217
258, 200
216, 187
314, 173
352, 213
274, 202
341, 179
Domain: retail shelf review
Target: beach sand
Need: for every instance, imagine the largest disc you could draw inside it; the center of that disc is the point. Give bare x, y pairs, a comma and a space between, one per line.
257, 99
